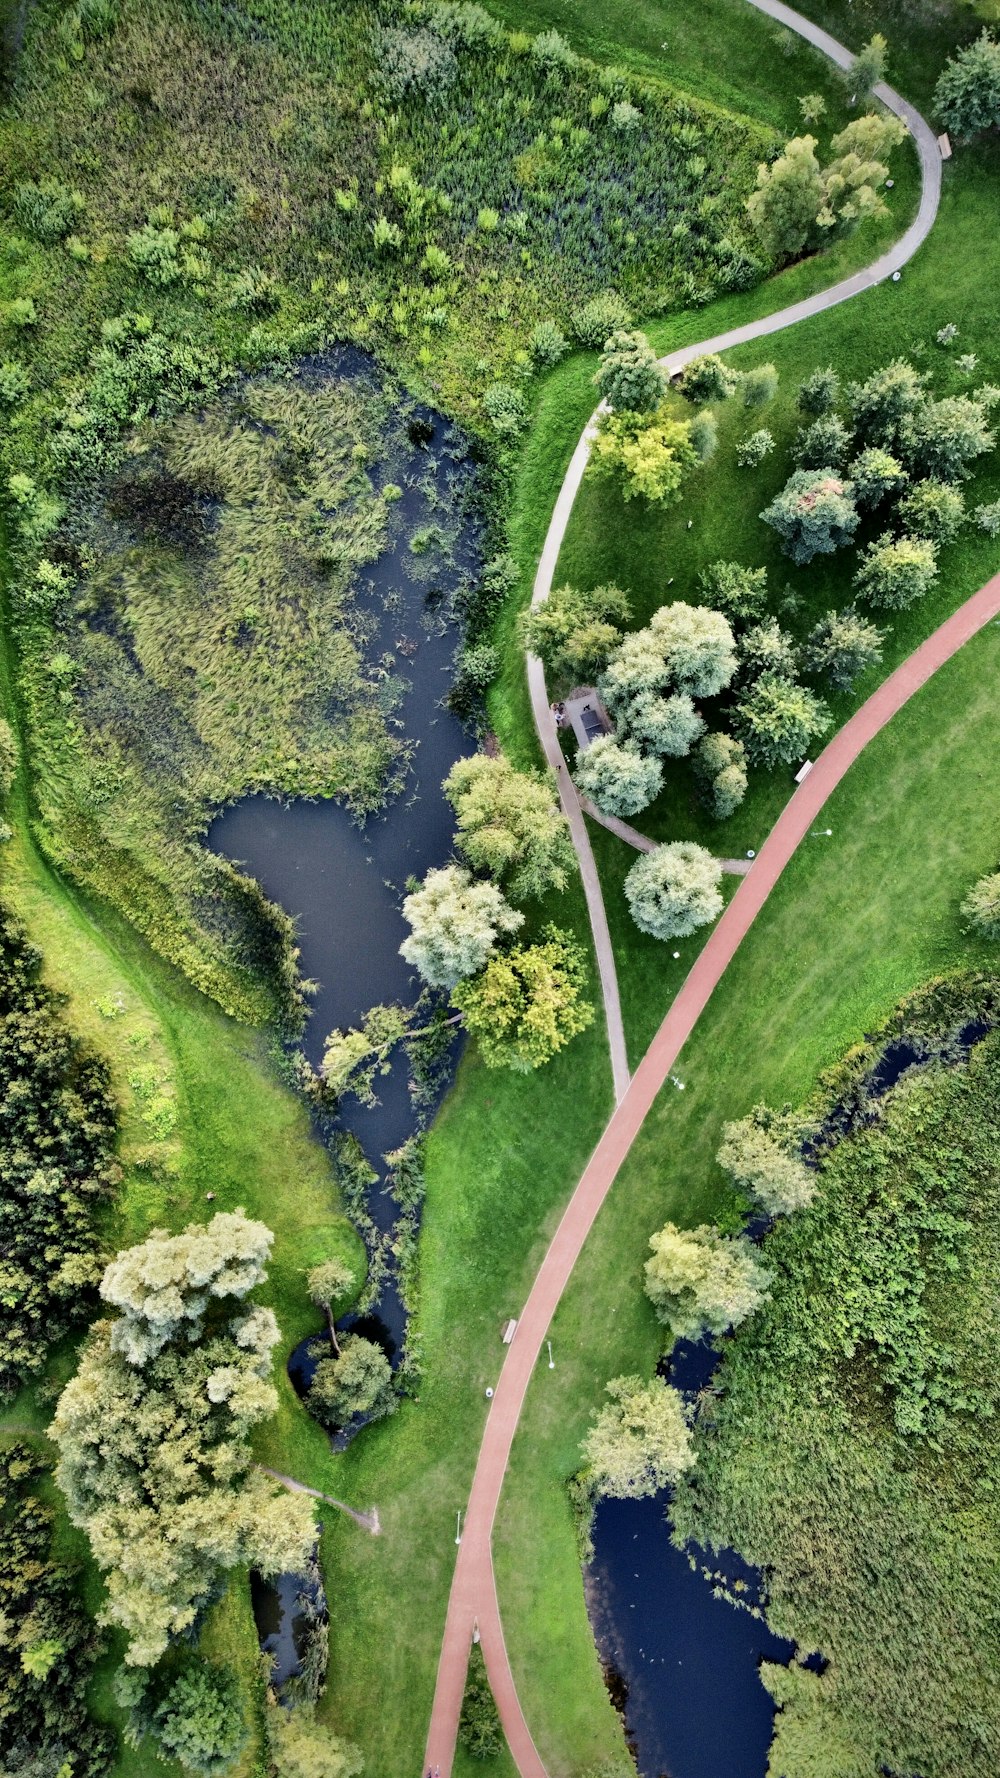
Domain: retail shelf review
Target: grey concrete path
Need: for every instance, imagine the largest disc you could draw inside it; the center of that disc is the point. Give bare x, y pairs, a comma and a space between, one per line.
473, 1598
733, 867
368, 1521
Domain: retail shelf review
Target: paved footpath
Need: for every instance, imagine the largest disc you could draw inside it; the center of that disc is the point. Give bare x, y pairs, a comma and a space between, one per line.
473, 1598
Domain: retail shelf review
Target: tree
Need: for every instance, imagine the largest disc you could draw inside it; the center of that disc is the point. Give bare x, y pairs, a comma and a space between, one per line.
637, 668
823, 444
703, 432
358, 1381
981, 906
699, 1281
819, 392
948, 436
573, 632
639, 1441
776, 720
674, 890
301, 1747
331, 1279
868, 66
720, 768
479, 1727
967, 95
528, 1004
154, 1449
628, 375
649, 453
789, 195
509, 825
885, 407
200, 1720
932, 509
708, 378
759, 385
874, 474
813, 515
761, 1153
896, 571
666, 726
842, 646
767, 648
739, 592
456, 923
617, 777
853, 181
754, 447
697, 645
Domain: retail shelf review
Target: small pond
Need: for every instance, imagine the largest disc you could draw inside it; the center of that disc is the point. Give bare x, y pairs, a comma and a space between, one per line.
281, 1609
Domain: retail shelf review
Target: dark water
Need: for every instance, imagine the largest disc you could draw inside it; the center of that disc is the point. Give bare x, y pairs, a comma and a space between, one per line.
281, 1621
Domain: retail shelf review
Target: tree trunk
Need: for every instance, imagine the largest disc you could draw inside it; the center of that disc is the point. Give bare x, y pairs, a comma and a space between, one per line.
333, 1332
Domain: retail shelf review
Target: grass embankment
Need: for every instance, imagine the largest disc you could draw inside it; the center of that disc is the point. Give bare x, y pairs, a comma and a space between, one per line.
854, 923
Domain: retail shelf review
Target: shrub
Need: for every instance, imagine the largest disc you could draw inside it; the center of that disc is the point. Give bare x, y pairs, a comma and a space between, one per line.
628, 375
547, 344
932, 509
754, 447
967, 95
699, 1281
767, 648
759, 386
981, 906
761, 1154
739, 592
553, 54
414, 63
813, 515
639, 1441
896, 571
868, 66
21, 312
357, 1381
625, 116
874, 474
948, 436
15, 383
528, 1003
479, 1727
842, 646
776, 720
387, 236
572, 632
507, 409
704, 435
8, 758
301, 1747
617, 777
200, 1720
708, 378
885, 407
455, 924
823, 444
476, 669
674, 890
47, 210
252, 292
598, 319
988, 518
819, 392
649, 453
719, 763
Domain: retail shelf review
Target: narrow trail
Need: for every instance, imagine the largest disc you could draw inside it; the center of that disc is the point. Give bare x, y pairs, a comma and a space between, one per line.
473, 1597
367, 1521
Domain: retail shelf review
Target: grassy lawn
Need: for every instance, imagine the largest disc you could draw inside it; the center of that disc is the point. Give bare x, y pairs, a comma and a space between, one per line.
854, 923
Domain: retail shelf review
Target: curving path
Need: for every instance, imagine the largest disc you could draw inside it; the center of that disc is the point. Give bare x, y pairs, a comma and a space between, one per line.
472, 1605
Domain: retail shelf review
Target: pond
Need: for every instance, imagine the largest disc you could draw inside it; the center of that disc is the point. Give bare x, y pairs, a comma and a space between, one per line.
283, 1609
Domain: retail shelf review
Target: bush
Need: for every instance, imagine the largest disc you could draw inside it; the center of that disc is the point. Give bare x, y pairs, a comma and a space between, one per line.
767, 648
704, 435
673, 891
967, 95
819, 392
885, 407
628, 375
754, 447
47, 210
507, 409
988, 518
981, 906
822, 445
719, 763
700, 1281
759, 386
414, 63
874, 474
598, 319
896, 571
932, 509
553, 54
479, 1727
948, 435
547, 344
777, 719
739, 592
842, 646
8, 758
15, 383
762, 1155
638, 1442
475, 671
813, 515
649, 453
357, 1381
708, 378
617, 777
200, 1720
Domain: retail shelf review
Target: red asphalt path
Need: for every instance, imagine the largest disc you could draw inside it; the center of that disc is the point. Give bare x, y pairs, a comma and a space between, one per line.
473, 1596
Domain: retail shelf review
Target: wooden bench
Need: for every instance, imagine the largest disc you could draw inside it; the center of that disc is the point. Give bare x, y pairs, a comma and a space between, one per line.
509, 1331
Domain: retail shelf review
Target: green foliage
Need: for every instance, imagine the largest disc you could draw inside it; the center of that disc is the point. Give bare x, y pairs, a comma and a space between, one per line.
48, 210
666, 726
56, 1164
896, 571
509, 826
301, 1747
708, 378
719, 763
874, 474
15, 383
777, 719
823, 444
767, 648
479, 1729
48, 1648
788, 198
813, 515
507, 410
842, 646
703, 431
762, 1154
154, 1452
455, 924
884, 407
574, 632
754, 447
740, 593
697, 646
981, 906
967, 95
949, 435
357, 1381
415, 63
639, 1441
528, 1003
868, 66
617, 777
547, 344
650, 453
8, 758
699, 1281
819, 391
598, 319
674, 890
199, 1720
629, 375
475, 671
759, 385
798, 205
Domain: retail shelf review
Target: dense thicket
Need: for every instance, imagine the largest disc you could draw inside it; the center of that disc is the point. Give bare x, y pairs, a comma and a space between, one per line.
57, 1128
851, 1448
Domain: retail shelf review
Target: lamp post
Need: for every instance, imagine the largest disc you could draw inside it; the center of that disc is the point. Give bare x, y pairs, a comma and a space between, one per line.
458, 1527
552, 1362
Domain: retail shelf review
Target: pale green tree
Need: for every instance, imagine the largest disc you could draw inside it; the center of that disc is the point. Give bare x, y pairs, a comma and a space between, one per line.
720, 768
896, 571
165, 1285
948, 436
767, 648
674, 890
649, 454
668, 727
700, 1281
456, 923
528, 1003
617, 777
874, 474
762, 1154
574, 632
708, 378
639, 1441
981, 906
509, 826
301, 1747
331, 1280
788, 198
697, 645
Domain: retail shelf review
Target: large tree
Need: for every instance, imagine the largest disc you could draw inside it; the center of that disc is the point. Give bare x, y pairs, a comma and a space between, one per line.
456, 923
740, 593
509, 826
813, 515
884, 408
528, 1003
949, 435
358, 1380
154, 1431
981, 906
649, 454
301, 1747
573, 632
629, 375
762, 1152
967, 95
674, 890
777, 719
697, 645
668, 727
639, 1441
700, 1281
896, 571
617, 777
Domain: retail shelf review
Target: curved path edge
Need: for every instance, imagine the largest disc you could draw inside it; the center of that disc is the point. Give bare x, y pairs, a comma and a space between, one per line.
473, 1607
